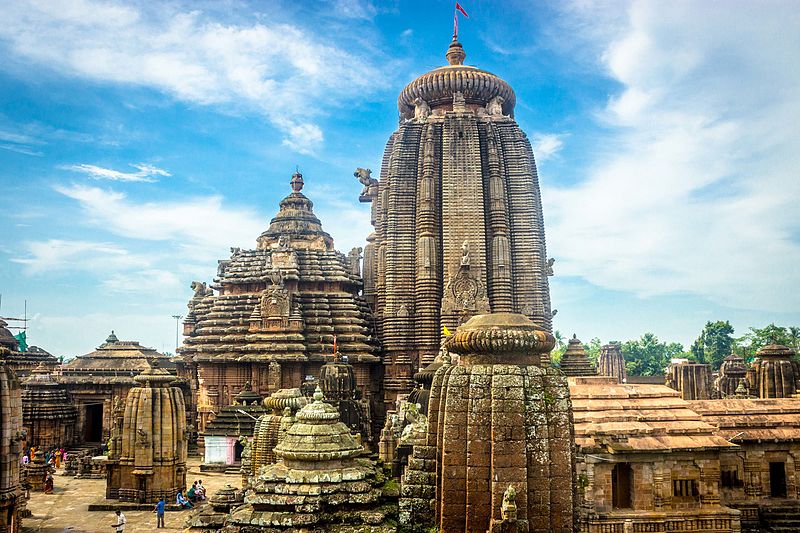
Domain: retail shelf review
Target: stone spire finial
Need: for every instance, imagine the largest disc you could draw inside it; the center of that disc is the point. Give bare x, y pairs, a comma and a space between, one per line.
455, 53
112, 338
297, 181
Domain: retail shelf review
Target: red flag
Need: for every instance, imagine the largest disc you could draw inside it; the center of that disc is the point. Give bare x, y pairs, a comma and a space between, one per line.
455, 18
334, 345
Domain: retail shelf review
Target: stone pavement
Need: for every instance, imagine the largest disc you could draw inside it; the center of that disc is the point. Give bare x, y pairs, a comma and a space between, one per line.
65, 511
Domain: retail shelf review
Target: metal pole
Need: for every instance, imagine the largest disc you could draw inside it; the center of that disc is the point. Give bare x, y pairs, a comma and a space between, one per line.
177, 324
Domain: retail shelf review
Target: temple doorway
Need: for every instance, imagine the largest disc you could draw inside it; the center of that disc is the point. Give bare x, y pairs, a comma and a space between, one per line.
93, 423
621, 485
777, 480
237, 451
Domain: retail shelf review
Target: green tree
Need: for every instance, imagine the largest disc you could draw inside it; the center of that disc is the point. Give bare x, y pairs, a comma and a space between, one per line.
748, 344
558, 351
714, 344
648, 356
593, 350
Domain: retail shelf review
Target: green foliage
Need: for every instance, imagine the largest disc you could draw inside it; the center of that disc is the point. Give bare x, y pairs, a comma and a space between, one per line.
558, 351
648, 356
714, 344
748, 344
593, 350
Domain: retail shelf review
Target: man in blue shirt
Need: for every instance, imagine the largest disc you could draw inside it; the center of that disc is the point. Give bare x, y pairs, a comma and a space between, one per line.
159, 510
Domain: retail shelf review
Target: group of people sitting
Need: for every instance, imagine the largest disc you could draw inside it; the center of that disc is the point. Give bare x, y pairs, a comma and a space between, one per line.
197, 493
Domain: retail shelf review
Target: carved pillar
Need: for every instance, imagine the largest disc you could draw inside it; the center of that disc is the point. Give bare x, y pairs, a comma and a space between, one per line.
499, 290
428, 286
658, 487
709, 484
752, 478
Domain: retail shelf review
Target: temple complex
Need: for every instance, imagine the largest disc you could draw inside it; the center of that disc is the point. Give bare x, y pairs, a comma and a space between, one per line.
11, 436
774, 373
147, 453
575, 362
498, 423
100, 379
48, 413
272, 314
457, 215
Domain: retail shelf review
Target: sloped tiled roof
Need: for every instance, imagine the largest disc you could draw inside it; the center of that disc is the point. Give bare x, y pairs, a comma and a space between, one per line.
748, 419
613, 417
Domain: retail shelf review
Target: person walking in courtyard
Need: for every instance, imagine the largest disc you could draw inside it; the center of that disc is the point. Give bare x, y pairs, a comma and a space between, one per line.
121, 521
159, 510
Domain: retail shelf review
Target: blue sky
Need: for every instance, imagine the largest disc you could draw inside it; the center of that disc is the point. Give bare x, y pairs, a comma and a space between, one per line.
139, 141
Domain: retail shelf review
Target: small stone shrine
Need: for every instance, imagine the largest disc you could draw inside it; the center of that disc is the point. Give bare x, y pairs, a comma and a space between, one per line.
611, 363
731, 373
221, 437
497, 420
774, 373
338, 383
321, 482
147, 455
48, 414
575, 362
212, 517
692, 380
11, 494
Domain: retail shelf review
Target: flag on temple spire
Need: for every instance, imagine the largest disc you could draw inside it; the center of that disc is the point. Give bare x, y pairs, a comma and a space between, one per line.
455, 18
22, 340
446, 331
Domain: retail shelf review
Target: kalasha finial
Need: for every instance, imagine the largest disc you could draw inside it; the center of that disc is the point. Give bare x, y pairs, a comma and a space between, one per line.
297, 181
455, 53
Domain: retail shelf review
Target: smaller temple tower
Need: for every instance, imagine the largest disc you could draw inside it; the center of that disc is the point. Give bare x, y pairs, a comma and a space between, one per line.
319, 482
692, 380
731, 373
611, 362
147, 456
337, 380
575, 362
774, 374
48, 414
499, 436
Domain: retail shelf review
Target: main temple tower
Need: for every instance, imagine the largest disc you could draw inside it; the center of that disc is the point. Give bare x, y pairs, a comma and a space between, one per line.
457, 215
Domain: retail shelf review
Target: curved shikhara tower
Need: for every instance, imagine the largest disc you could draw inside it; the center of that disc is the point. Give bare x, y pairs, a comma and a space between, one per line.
457, 215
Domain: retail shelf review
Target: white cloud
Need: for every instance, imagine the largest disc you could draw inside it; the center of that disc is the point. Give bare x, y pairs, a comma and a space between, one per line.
200, 224
546, 145
278, 69
62, 255
695, 189
144, 173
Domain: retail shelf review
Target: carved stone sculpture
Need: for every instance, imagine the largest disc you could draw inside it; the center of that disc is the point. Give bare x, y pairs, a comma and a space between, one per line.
421, 110
495, 106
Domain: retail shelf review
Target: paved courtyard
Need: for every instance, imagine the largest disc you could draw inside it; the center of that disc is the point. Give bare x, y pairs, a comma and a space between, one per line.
65, 511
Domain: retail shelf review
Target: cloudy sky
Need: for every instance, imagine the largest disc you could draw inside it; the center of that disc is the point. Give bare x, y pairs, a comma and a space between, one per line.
139, 141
